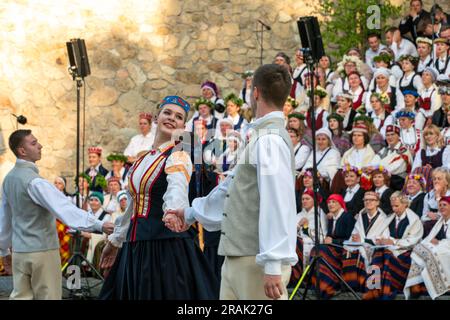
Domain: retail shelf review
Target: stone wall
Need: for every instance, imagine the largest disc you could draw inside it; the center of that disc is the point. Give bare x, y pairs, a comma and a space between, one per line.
139, 51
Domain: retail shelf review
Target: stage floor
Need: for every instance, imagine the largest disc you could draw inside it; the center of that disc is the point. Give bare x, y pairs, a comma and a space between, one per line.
6, 288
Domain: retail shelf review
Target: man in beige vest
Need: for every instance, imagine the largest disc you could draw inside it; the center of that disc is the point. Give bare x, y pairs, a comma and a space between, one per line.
255, 206
30, 206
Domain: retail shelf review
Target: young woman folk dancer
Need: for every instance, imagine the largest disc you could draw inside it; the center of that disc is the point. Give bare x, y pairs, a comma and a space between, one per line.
430, 266
441, 188
356, 259
148, 265
339, 229
361, 153
381, 179
340, 138
415, 190
401, 232
306, 232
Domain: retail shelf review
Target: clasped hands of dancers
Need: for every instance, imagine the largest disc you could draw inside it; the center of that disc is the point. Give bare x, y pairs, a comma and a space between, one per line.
174, 220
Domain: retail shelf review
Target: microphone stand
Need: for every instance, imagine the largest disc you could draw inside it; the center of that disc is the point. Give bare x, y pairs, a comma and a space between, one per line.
78, 259
263, 26
317, 259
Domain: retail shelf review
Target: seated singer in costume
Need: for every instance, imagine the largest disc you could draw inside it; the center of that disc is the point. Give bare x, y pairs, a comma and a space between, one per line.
154, 262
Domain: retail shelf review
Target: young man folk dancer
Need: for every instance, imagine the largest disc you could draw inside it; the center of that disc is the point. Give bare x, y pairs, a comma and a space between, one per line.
28, 215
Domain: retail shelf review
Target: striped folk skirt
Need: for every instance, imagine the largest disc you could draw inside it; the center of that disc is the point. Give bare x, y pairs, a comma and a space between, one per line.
354, 270
328, 282
165, 269
297, 270
393, 274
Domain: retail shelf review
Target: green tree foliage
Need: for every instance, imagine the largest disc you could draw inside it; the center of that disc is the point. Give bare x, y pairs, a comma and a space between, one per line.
345, 24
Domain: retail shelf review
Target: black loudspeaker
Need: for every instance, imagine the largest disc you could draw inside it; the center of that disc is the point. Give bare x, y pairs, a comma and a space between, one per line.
310, 36
78, 58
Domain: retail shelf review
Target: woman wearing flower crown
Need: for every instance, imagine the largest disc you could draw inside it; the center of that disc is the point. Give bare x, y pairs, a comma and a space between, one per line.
348, 65
154, 262
321, 105
381, 179
415, 190
245, 93
381, 117
233, 111
353, 193
205, 109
